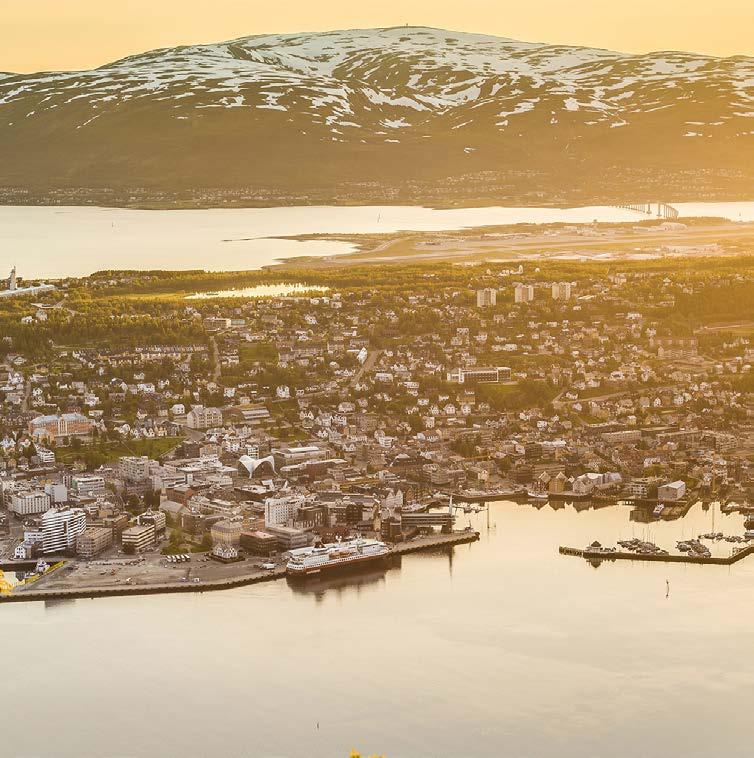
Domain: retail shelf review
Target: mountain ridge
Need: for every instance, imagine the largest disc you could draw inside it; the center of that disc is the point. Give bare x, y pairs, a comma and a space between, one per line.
382, 115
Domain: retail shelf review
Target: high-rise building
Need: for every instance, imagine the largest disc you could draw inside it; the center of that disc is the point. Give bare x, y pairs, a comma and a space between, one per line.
134, 468
561, 291
61, 528
12, 280
281, 510
523, 293
486, 297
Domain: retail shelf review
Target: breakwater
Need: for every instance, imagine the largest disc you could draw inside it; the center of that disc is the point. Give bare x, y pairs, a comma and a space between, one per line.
604, 555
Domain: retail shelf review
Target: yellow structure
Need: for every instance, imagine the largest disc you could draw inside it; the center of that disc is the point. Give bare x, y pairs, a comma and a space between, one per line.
5, 586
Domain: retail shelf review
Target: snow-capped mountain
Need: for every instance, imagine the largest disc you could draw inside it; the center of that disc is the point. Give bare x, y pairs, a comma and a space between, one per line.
387, 111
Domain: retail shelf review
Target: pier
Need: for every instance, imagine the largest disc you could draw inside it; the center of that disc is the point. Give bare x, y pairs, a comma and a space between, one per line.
622, 555
430, 542
434, 541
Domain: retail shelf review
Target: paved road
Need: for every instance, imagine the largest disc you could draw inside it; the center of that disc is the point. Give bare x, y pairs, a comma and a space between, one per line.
216, 360
27, 396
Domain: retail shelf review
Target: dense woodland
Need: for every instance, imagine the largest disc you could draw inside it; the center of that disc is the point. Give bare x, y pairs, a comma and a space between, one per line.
121, 309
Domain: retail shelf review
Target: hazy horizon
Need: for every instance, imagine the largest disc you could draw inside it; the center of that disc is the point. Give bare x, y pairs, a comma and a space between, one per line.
43, 35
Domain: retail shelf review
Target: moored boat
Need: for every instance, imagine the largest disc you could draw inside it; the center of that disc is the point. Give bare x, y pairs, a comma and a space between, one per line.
335, 556
537, 495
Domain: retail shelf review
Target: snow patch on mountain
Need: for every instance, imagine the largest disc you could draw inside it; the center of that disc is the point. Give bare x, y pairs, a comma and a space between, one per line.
396, 78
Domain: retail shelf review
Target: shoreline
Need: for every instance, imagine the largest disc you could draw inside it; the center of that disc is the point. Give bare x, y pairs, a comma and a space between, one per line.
514, 201
529, 242
285, 238
433, 542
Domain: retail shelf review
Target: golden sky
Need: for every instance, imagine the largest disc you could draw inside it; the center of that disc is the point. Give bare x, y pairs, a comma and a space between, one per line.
40, 35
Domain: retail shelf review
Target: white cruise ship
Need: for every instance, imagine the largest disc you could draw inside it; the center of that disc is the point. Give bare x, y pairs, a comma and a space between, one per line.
338, 555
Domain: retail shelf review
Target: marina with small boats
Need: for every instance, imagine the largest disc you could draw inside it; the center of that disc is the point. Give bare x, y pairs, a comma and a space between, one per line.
697, 549
462, 601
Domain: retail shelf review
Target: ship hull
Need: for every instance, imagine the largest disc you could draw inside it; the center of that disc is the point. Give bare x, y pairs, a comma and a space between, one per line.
333, 567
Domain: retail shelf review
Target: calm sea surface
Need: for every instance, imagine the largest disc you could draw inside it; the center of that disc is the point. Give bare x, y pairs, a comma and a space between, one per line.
53, 241
499, 648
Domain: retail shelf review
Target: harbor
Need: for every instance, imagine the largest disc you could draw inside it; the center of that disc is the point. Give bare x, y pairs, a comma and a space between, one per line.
464, 604
607, 554
706, 548
143, 577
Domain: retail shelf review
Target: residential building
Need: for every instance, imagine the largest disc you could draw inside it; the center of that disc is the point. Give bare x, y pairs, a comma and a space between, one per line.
93, 541
46, 457
523, 293
640, 487
200, 417
137, 539
676, 348
282, 510
157, 518
27, 503
134, 468
226, 532
486, 298
88, 485
61, 528
561, 291
57, 491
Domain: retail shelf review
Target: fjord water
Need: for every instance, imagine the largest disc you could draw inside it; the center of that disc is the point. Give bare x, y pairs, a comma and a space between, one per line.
58, 241
498, 648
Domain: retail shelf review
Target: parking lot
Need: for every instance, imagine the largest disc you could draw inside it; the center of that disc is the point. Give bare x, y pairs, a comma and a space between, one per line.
146, 569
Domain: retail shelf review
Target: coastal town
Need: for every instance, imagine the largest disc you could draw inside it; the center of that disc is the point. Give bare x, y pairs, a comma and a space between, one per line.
159, 430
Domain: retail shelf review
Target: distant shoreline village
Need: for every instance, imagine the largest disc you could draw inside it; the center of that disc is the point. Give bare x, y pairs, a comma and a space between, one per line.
13, 288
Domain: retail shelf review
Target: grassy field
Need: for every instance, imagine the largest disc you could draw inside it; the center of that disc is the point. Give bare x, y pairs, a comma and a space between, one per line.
516, 397
253, 352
